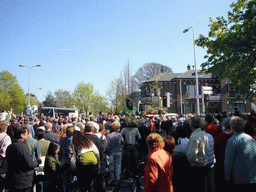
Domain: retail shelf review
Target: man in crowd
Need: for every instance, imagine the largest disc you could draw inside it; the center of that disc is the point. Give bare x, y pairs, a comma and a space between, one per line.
20, 173
240, 158
49, 135
197, 150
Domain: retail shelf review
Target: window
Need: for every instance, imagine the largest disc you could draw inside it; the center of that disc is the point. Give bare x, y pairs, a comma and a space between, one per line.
231, 90
190, 91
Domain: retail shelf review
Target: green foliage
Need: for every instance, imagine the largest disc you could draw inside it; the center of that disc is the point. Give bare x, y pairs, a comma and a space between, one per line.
156, 87
231, 45
85, 98
11, 94
49, 100
116, 94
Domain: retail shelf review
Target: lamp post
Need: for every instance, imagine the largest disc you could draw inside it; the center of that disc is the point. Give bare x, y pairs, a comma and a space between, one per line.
29, 81
197, 89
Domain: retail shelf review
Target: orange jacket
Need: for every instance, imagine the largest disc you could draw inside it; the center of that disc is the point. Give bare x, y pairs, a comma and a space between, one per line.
158, 172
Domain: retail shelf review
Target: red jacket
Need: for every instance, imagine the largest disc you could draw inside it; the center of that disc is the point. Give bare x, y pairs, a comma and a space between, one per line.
158, 172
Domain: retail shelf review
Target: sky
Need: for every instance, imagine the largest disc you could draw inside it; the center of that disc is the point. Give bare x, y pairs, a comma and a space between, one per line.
92, 40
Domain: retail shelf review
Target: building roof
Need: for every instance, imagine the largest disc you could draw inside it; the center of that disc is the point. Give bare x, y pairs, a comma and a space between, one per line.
189, 74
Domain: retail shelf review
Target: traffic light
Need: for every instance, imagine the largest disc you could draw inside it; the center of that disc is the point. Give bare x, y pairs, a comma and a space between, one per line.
164, 101
141, 107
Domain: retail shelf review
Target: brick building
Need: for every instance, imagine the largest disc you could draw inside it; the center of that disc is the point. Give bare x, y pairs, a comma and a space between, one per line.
181, 88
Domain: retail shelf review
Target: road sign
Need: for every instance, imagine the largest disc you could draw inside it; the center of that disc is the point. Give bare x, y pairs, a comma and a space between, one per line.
207, 92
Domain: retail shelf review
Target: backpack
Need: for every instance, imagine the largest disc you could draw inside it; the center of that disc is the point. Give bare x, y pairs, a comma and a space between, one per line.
88, 158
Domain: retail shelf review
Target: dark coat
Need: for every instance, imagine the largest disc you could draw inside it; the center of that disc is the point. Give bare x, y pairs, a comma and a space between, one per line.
51, 136
21, 166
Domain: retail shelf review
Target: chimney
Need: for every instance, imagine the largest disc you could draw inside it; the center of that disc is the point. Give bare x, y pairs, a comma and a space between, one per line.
188, 67
162, 69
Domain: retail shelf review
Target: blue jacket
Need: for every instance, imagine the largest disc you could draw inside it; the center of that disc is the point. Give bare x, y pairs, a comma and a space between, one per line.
240, 159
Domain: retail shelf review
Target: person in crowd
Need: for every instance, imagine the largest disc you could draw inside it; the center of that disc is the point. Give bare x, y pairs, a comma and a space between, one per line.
182, 140
49, 135
51, 168
66, 174
180, 165
31, 128
88, 132
33, 145
240, 158
144, 132
115, 141
131, 135
20, 173
43, 144
158, 171
249, 129
55, 126
11, 127
101, 127
211, 160
167, 126
197, 154
213, 129
5, 141
87, 160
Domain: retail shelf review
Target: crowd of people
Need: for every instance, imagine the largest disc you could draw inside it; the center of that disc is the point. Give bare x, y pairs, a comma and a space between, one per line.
211, 152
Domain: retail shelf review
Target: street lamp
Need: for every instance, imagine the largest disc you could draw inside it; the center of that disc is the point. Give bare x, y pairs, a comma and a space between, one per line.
197, 89
29, 82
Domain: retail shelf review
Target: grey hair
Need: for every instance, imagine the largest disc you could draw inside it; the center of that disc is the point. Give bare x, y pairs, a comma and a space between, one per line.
237, 124
48, 126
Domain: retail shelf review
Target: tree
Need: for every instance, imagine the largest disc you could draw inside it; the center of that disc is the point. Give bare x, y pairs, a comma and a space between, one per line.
156, 87
63, 98
11, 94
116, 94
84, 96
231, 47
148, 71
49, 100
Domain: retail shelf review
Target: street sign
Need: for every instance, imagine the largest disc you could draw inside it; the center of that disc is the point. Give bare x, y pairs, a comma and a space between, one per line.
207, 90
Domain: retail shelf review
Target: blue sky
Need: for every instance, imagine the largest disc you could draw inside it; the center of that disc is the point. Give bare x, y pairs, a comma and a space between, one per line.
92, 40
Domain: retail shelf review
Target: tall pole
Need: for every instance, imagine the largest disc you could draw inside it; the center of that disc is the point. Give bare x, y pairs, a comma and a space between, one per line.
28, 107
181, 107
196, 74
29, 88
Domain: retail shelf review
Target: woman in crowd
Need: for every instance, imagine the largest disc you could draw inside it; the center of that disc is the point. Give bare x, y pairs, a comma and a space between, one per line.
87, 160
51, 167
5, 141
180, 165
115, 141
158, 169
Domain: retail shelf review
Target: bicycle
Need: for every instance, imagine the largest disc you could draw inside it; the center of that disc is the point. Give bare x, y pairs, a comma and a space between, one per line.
136, 183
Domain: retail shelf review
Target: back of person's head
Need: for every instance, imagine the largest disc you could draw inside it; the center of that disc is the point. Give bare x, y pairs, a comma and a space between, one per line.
154, 140
112, 128
48, 126
26, 120
18, 130
181, 132
81, 141
209, 118
226, 123
195, 122
169, 144
70, 130
52, 148
40, 134
88, 127
3, 127
237, 124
